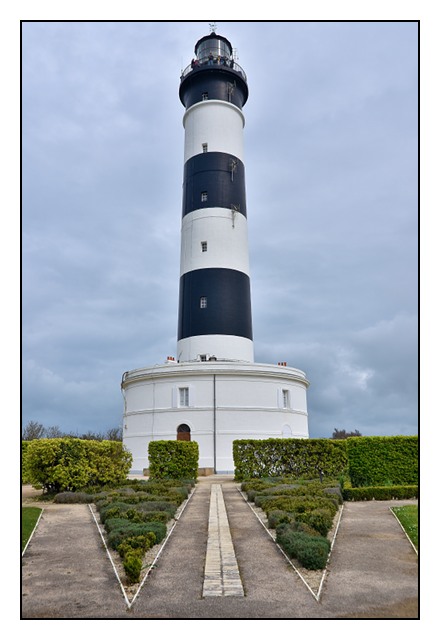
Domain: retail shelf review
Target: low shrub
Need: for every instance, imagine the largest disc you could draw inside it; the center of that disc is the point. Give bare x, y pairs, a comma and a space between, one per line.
334, 492
311, 551
113, 510
140, 505
134, 515
304, 527
296, 504
320, 520
133, 565
169, 507
74, 497
142, 497
258, 484
287, 490
251, 493
277, 517
142, 543
314, 523
119, 528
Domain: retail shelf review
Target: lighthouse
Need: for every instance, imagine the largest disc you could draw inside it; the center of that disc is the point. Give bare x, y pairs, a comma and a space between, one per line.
215, 300
211, 391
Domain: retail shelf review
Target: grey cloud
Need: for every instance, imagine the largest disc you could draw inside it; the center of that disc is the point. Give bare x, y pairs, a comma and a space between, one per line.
331, 180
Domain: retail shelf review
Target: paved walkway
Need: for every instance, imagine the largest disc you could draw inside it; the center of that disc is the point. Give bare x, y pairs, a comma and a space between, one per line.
373, 572
222, 577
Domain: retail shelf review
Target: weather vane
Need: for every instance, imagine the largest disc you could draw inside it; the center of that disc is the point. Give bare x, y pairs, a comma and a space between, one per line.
212, 27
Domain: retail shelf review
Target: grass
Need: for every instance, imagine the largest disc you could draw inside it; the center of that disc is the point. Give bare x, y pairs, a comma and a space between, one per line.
29, 517
409, 519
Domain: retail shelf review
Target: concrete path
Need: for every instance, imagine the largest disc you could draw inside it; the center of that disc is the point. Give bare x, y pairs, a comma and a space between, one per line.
373, 571
222, 577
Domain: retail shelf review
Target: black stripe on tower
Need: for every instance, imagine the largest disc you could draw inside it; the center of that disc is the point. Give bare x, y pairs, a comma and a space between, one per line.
215, 301
214, 179
214, 82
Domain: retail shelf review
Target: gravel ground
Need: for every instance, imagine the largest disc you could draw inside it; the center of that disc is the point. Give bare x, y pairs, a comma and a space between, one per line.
372, 574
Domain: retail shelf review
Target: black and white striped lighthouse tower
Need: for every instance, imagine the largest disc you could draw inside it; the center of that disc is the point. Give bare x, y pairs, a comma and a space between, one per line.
215, 302
213, 392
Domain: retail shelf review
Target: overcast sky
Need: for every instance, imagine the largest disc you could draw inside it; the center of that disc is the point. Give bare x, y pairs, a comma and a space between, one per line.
331, 158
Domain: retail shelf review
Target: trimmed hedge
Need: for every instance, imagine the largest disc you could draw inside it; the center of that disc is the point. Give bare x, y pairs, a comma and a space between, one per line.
74, 497
146, 512
375, 461
295, 504
119, 529
294, 457
368, 460
173, 459
311, 551
71, 464
25, 479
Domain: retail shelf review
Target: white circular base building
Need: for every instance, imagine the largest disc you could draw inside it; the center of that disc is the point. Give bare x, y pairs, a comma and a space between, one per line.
212, 403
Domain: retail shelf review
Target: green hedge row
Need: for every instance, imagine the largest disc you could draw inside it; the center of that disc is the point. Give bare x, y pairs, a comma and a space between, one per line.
24, 473
292, 457
368, 460
173, 459
71, 464
383, 460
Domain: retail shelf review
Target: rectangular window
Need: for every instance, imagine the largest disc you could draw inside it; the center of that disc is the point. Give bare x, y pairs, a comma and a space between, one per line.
204, 245
204, 196
205, 95
184, 397
286, 403
205, 147
203, 302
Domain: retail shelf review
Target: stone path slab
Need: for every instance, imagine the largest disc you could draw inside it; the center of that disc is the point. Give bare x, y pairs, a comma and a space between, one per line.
222, 577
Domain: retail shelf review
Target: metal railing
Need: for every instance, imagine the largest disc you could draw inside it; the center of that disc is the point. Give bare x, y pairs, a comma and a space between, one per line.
228, 63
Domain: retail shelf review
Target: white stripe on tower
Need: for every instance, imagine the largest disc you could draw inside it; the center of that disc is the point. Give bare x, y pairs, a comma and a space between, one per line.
214, 303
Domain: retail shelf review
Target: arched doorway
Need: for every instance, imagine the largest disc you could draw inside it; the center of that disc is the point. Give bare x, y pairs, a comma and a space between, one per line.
183, 432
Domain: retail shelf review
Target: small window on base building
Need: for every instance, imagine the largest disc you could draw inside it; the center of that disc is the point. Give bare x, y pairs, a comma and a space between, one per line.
184, 397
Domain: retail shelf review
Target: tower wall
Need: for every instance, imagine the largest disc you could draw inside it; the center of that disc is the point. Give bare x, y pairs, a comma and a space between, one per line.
218, 228
215, 292
215, 123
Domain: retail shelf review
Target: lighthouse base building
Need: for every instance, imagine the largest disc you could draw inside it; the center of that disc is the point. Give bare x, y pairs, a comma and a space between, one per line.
212, 403
213, 392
